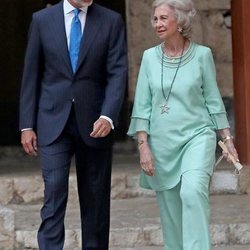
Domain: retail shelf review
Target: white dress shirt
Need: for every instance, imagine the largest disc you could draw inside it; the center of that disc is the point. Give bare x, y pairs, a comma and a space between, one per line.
68, 16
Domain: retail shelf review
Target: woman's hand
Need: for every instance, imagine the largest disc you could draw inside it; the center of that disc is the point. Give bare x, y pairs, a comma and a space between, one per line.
231, 149
228, 141
146, 159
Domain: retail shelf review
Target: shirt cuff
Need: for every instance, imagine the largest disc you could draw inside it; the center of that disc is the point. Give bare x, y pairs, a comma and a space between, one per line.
109, 120
26, 129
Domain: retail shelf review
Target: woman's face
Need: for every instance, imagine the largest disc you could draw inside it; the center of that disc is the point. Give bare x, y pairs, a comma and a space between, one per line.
164, 22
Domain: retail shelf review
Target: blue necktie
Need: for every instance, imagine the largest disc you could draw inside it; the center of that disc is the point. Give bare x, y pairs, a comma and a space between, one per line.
75, 39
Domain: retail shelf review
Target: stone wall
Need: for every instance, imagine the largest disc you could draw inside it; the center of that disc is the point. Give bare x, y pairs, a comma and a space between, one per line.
212, 27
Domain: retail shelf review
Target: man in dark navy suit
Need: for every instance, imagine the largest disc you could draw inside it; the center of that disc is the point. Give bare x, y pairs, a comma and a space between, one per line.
69, 105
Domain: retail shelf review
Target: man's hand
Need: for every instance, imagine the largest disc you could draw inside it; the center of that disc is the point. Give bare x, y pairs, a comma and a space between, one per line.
101, 128
29, 142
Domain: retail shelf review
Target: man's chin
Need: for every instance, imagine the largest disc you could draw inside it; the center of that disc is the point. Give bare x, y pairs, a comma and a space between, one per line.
87, 4
80, 3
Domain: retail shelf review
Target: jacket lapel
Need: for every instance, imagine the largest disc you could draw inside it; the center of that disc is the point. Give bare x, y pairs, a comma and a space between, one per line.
58, 27
91, 27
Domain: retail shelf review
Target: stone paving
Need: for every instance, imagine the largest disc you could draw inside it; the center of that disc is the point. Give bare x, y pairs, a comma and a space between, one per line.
161, 248
135, 221
23, 183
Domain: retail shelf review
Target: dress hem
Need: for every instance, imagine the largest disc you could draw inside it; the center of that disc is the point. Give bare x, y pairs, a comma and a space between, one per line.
172, 186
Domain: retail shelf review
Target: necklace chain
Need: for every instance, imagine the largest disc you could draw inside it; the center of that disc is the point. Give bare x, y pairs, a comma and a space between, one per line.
173, 55
164, 107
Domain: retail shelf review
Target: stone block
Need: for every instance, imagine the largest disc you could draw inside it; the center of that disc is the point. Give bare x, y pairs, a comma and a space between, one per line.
240, 234
73, 190
6, 190
217, 36
118, 186
197, 30
134, 189
225, 78
212, 4
79, 238
26, 240
224, 182
127, 237
244, 180
7, 228
153, 235
219, 234
71, 239
28, 189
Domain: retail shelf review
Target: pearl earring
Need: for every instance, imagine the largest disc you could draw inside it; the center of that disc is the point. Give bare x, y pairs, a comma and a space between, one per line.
180, 29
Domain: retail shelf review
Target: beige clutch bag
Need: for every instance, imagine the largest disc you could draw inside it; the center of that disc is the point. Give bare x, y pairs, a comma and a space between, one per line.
236, 163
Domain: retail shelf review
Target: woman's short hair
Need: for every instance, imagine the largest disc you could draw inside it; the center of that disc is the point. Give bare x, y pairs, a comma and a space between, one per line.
184, 13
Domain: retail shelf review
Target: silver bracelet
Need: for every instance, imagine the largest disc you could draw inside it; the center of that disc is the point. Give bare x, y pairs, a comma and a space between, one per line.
140, 143
227, 138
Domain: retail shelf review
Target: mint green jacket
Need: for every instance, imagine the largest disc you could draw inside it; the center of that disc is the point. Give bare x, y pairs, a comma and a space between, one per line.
184, 138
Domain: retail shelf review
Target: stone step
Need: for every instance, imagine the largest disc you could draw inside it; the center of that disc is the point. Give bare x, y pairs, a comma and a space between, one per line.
235, 247
26, 186
125, 184
134, 223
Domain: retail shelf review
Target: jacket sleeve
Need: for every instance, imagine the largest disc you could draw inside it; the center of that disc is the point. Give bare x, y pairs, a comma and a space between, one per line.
116, 71
31, 79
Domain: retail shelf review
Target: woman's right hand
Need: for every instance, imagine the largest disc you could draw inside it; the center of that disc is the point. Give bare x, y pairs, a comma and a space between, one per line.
146, 159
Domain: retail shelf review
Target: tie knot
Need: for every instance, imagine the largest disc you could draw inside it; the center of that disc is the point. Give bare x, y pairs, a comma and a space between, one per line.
76, 12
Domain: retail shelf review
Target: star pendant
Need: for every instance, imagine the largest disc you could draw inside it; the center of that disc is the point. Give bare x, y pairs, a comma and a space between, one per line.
164, 108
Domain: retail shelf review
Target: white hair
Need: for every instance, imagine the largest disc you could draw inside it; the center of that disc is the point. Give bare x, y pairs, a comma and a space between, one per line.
184, 13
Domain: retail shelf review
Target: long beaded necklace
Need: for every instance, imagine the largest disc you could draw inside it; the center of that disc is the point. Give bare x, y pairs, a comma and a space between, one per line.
164, 107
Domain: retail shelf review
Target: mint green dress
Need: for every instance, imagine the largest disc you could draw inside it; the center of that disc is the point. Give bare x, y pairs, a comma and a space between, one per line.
184, 138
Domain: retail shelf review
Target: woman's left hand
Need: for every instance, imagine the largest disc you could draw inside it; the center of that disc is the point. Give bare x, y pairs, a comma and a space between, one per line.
231, 149
229, 143
146, 159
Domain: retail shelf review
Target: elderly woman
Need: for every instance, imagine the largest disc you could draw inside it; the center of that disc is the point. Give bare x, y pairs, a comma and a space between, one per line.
177, 110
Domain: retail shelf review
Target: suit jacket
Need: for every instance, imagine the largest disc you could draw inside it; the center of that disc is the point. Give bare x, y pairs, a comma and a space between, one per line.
49, 84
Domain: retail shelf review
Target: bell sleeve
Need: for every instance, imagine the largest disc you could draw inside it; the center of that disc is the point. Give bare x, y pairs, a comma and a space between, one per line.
212, 94
140, 118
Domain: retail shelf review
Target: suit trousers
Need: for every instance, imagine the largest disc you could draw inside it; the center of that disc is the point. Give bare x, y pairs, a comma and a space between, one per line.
93, 170
185, 213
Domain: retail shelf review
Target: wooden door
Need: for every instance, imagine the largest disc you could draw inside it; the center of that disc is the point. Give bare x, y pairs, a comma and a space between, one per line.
241, 72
